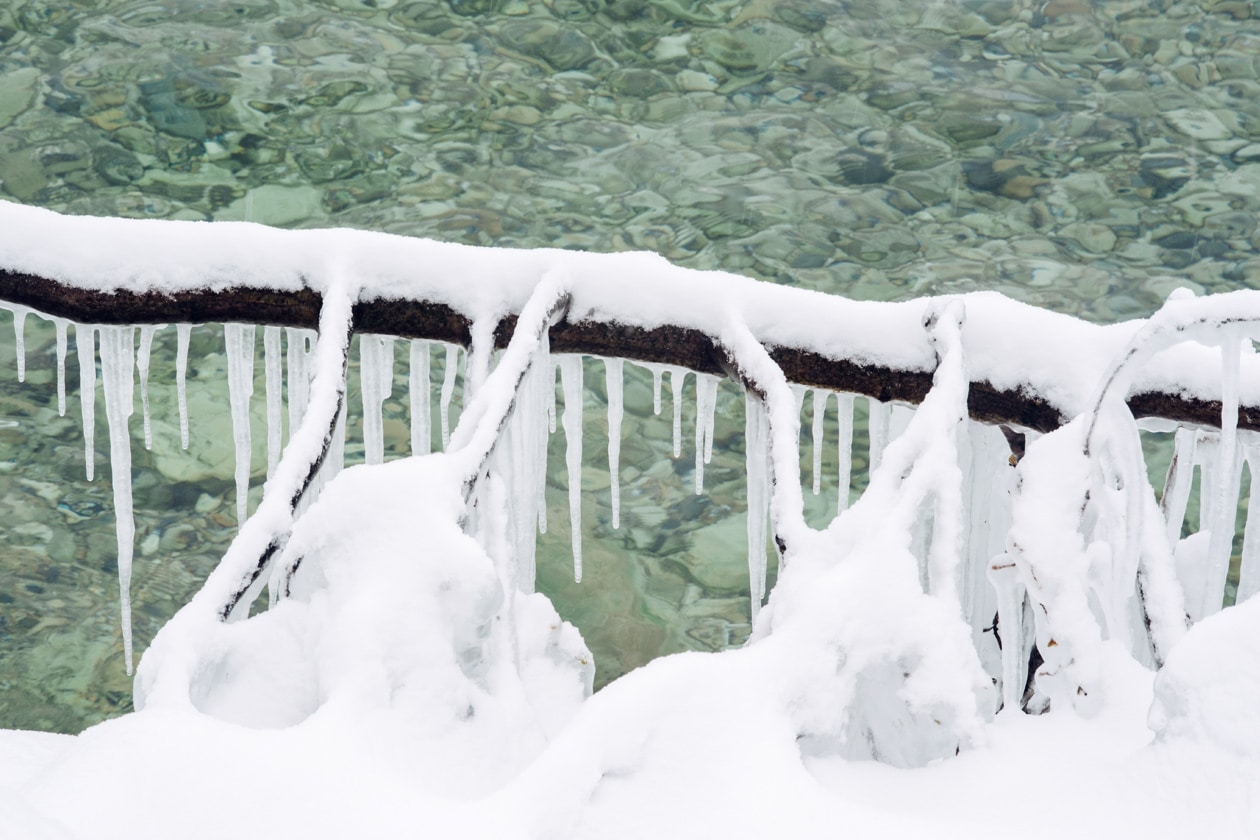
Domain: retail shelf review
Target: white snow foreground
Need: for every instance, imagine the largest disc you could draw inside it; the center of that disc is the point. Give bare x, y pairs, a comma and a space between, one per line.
407, 681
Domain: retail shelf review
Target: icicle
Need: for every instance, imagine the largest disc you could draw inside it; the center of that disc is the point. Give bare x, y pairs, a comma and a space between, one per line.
1249, 569
418, 385
182, 334
19, 333
239, 340
571, 381
706, 399
614, 370
877, 426
551, 401
448, 391
60, 324
677, 378
117, 361
275, 396
710, 415
844, 447
142, 365
85, 347
1225, 491
657, 373
756, 463
1004, 575
301, 355
1177, 483
820, 415
526, 452
376, 380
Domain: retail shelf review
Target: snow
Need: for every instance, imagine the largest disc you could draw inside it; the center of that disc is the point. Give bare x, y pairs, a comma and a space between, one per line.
407, 678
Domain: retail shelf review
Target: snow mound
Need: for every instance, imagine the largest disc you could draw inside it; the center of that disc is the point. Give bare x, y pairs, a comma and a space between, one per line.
1207, 690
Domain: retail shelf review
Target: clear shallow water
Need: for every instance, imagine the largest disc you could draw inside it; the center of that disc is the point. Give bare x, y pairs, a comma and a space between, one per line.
1088, 157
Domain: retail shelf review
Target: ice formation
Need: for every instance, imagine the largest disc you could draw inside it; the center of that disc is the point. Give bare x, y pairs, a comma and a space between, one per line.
677, 381
117, 374
571, 382
273, 372
143, 354
614, 373
376, 378
19, 335
706, 405
239, 341
756, 467
85, 348
817, 430
183, 334
418, 389
448, 391
61, 325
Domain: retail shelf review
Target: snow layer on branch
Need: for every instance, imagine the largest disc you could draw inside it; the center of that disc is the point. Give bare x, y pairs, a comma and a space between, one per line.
1009, 344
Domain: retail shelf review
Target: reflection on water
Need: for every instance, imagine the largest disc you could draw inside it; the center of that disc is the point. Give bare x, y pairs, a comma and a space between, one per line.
1086, 156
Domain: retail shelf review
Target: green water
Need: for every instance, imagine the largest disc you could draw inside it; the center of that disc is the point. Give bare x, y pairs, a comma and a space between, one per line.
1084, 156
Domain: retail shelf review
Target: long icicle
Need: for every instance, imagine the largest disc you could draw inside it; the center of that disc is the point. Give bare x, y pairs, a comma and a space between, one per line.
548, 370
820, 415
1249, 567
301, 359
376, 378
117, 371
677, 378
19, 334
757, 468
60, 324
85, 347
142, 367
1225, 491
844, 451
706, 399
274, 385
571, 380
614, 371
880, 416
239, 340
183, 332
448, 391
418, 385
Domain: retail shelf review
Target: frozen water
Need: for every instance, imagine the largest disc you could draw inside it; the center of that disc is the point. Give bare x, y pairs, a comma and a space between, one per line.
61, 324
85, 348
239, 341
614, 371
418, 389
448, 391
117, 373
183, 333
376, 377
143, 355
273, 370
571, 382
819, 418
756, 465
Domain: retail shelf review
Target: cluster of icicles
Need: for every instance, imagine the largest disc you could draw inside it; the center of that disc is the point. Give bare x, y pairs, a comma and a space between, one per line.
123, 361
